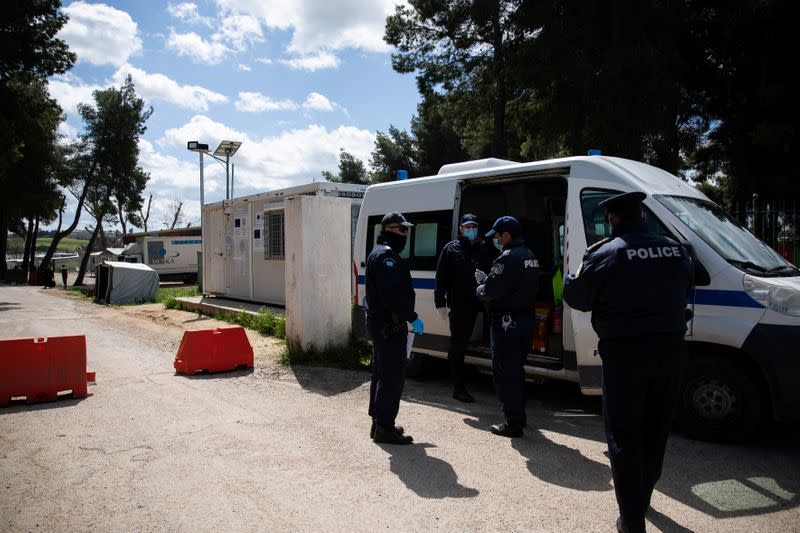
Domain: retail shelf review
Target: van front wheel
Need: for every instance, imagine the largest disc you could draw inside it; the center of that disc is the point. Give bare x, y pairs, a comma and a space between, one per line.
719, 401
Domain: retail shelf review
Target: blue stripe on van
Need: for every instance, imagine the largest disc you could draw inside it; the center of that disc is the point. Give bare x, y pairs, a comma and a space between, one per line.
725, 298
702, 296
419, 283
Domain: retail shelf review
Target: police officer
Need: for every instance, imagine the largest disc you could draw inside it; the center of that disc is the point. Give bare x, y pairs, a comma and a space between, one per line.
636, 285
509, 293
455, 289
390, 304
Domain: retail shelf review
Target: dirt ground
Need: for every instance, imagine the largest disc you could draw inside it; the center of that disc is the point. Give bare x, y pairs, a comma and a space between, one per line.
287, 448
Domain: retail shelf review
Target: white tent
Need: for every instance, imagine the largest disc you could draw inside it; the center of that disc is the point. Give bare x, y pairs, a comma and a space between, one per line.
125, 283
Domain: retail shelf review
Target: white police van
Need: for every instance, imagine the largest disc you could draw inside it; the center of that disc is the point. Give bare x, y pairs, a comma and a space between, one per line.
744, 336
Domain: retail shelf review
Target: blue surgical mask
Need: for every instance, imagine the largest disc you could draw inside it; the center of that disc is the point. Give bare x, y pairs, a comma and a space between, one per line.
471, 233
497, 244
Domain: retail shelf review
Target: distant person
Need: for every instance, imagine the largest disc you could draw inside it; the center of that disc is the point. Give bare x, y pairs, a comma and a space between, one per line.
64, 273
635, 284
390, 306
454, 295
509, 293
49, 277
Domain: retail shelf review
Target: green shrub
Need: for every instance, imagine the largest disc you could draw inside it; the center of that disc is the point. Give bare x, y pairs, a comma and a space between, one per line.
172, 303
353, 355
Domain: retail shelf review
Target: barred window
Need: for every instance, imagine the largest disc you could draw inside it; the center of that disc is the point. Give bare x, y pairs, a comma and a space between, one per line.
273, 231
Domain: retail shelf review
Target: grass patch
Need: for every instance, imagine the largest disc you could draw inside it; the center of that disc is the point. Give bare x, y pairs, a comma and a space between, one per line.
169, 295
355, 355
84, 292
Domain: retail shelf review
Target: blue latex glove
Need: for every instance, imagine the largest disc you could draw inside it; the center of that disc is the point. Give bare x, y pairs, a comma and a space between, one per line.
417, 327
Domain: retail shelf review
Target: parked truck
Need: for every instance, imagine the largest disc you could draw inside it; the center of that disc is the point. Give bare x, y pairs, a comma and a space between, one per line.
172, 254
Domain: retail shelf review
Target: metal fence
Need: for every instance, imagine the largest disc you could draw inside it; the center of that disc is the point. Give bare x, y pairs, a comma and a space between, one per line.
774, 222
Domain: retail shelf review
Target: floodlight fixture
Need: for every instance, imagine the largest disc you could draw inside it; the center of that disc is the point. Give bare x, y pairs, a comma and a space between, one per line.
196, 146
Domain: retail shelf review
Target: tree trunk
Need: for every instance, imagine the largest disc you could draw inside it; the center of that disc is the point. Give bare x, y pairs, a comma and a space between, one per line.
122, 218
34, 236
177, 215
499, 148
61, 234
146, 215
103, 238
86, 255
26, 264
3, 246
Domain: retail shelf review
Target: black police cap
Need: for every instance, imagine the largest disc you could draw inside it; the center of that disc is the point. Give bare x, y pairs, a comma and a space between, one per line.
506, 223
395, 218
624, 202
468, 218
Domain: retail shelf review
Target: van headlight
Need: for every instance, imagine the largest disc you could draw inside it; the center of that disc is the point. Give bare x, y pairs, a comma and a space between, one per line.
784, 300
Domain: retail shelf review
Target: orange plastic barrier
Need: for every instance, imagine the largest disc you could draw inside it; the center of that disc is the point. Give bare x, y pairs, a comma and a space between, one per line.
213, 350
40, 369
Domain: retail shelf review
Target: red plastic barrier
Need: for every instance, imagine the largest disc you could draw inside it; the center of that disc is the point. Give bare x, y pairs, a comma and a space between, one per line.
39, 369
213, 350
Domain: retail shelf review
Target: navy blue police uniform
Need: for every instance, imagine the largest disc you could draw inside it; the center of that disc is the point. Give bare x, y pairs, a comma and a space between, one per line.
635, 284
509, 294
455, 289
390, 305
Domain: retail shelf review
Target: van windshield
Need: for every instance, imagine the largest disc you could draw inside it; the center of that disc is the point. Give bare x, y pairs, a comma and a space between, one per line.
729, 238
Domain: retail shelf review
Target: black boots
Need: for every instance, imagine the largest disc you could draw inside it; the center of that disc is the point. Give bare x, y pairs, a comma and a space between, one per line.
391, 435
507, 430
372, 430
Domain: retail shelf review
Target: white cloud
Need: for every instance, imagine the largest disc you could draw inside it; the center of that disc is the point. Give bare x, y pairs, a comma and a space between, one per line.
68, 132
160, 87
100, 34
313, 62
70, 91
294, 157
235, 33
257, 102
188, 12
239, 31
318, 102
316, 25
264, 60
197, 48
243, 67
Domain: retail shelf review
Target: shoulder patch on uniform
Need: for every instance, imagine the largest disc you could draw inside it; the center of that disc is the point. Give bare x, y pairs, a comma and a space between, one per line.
598, 244
389, 263
497, 268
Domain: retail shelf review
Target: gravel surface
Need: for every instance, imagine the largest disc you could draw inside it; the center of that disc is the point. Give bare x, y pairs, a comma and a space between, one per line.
282, 448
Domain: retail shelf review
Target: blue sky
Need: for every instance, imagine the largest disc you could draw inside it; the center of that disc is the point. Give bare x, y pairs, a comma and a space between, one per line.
294, 80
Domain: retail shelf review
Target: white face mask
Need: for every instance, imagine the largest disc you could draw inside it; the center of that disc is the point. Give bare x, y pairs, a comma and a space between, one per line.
498, 244
471, 233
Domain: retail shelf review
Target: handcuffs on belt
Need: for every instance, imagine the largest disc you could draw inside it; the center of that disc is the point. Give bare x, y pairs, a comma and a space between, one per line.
507, 323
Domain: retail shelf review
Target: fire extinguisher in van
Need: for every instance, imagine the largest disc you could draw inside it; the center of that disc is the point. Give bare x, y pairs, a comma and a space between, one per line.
558, 320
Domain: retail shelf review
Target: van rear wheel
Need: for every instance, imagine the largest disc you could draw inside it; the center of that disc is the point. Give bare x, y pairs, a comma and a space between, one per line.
719, 401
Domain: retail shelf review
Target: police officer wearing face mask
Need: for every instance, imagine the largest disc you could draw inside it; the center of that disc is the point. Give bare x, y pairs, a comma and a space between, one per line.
635, 284
455, 289
509, 294
390, 305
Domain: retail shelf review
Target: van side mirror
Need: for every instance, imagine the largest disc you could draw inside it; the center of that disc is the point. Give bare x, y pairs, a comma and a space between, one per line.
701, 275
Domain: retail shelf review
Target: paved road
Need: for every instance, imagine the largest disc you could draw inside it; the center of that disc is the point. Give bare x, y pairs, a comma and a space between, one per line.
287, 449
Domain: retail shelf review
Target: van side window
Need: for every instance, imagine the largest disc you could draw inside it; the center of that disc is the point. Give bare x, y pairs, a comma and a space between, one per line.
431, 231
594, 217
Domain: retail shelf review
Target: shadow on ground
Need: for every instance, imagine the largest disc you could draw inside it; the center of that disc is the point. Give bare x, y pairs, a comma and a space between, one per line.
721, 480
329, 381
427, 476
